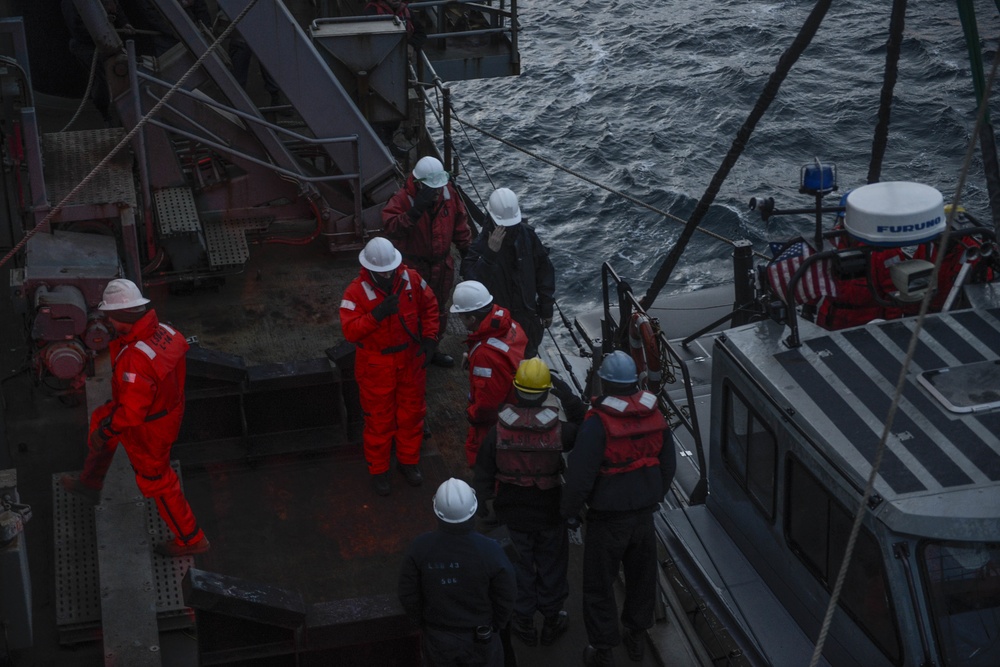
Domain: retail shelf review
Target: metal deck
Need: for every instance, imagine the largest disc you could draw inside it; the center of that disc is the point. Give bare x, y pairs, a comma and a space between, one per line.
78, 590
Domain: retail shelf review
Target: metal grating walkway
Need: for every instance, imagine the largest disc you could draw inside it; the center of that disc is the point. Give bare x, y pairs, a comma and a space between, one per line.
176, 211
227, 241
70, 156
78, 600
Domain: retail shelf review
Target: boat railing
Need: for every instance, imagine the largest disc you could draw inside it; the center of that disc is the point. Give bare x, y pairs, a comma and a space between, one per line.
838, 256
614, 333
501, 19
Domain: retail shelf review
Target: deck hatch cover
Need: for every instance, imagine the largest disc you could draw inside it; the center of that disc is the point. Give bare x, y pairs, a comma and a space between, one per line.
966, 388
940, 447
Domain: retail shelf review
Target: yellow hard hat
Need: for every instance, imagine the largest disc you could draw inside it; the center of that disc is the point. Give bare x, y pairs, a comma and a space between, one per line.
532, 376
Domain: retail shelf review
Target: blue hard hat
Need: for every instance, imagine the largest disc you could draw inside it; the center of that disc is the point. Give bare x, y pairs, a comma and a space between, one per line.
618, 367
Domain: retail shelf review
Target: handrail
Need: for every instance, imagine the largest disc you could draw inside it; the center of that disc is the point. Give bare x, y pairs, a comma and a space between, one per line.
611, 337
300, 175
495, 13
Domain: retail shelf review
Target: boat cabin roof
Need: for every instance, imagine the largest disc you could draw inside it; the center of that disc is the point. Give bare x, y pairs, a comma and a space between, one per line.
942, 460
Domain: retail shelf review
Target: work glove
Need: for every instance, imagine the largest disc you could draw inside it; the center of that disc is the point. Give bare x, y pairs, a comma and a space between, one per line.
425, 197
102, 434
546, 322
560, 387
389, 306
575, 530
427, 348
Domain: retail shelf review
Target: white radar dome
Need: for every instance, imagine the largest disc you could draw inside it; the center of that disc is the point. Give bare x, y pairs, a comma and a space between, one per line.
897, 213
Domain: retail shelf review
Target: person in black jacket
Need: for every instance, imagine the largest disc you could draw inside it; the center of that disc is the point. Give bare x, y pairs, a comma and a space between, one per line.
521, 457
621, 466
515, 267
458, 585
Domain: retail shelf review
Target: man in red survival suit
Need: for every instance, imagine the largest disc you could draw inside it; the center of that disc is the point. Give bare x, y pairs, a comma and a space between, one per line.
391, 316
144, 414
496, 348
423, 219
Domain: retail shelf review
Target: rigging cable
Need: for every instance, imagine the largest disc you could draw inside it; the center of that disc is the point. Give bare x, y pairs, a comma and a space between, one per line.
785, 63
903, 371
892, 48
987, 140
44, 223
582, 177
437, 113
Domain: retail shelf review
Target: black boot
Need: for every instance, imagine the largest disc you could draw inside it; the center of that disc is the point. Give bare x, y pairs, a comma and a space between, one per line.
523, 627
411, 471
380, 483
598, 657
635, 643
553, 627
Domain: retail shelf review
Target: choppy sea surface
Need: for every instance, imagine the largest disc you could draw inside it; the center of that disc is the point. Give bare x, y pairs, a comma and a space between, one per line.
646, 98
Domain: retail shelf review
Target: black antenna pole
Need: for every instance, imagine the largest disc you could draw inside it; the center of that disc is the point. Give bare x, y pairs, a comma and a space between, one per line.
788, 59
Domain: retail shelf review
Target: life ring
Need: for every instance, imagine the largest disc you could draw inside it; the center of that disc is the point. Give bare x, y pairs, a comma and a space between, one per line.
645, 352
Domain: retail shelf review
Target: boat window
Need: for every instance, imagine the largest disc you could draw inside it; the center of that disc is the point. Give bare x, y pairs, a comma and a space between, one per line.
750, 450
817, 529
963, 584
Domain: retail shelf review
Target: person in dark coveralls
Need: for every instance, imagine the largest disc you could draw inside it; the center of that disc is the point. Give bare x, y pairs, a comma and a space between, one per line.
521, 458
458, 585
621, 466
391, 316
514, 265
423, 220
144, 414
496, 347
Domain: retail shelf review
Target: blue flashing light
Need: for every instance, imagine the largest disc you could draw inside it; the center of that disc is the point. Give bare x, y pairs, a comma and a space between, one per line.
818, 179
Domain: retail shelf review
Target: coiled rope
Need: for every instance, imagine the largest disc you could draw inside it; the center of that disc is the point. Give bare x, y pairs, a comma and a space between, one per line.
44, 224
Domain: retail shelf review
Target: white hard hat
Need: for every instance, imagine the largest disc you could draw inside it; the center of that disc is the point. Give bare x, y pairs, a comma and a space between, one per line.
504, 208
121, 294
430, 172
380, 255
470, 295
455, 501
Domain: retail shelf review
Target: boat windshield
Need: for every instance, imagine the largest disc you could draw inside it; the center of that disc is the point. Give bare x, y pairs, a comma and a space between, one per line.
963, 583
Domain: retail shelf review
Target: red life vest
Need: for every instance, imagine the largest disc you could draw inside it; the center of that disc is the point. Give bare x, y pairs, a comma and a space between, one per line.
633, 429
529, 445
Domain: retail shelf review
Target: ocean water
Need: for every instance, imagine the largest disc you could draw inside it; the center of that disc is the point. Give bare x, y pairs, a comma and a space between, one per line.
646, 98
